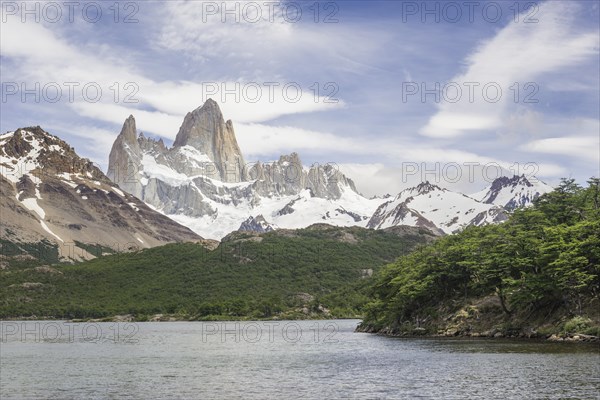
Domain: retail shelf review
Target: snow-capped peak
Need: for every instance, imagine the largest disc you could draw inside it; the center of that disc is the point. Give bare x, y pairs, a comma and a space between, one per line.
256, 224
203, 183
426, 187
512, 193
435, 208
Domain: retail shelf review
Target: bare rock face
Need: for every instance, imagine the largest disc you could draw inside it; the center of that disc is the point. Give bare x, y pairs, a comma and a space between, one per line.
125, 159
206, 130
205, 150
290, 177
286, 175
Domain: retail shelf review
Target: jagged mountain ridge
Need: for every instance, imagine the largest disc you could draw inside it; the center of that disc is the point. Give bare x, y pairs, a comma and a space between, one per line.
50, 193
202, 182
438, 209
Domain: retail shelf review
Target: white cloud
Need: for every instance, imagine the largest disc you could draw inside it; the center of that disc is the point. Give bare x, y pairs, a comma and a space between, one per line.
43, 56
369, 58
259, 140
157, 123
266, 44
375, 179
576, 139
380, 179
207, 29
401, 164
580, 147
519, 53
263, 140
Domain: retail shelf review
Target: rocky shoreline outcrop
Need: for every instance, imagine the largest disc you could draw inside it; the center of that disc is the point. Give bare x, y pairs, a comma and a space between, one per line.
488, 334
484, 318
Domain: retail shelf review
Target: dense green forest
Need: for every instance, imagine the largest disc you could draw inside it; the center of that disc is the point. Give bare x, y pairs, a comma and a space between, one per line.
538, 271
321, 271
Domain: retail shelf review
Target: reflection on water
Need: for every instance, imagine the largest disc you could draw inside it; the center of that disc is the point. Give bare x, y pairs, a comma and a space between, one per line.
280, 359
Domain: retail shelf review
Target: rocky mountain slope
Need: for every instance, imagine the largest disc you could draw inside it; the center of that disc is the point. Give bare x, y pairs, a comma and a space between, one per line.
51, 195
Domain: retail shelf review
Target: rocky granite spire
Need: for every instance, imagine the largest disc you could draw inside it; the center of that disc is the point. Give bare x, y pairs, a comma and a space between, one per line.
206, 130
125, 159
129, 131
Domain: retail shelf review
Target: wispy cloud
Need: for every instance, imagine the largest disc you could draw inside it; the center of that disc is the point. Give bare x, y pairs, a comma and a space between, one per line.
43, 56
519, 53
585, 147
260, 42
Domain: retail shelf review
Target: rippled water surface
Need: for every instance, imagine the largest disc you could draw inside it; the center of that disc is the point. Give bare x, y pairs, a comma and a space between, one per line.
283, 360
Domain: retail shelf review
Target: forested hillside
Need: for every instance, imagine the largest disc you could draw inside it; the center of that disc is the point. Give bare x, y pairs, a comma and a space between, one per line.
536, 274
320, 271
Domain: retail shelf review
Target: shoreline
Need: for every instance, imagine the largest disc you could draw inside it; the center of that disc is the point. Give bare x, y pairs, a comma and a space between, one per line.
494, 334
173, 318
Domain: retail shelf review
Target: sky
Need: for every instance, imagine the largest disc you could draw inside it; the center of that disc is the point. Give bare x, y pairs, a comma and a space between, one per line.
391, 92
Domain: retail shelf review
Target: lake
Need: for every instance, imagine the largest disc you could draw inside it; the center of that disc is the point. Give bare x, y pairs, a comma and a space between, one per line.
280, 359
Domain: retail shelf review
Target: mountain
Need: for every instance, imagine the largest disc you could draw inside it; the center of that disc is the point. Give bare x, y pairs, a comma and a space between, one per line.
51, 195
512, 193
256, 224
203, 182
440, 210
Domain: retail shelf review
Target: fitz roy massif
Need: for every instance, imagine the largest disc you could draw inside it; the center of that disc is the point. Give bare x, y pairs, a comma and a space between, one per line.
204, 183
